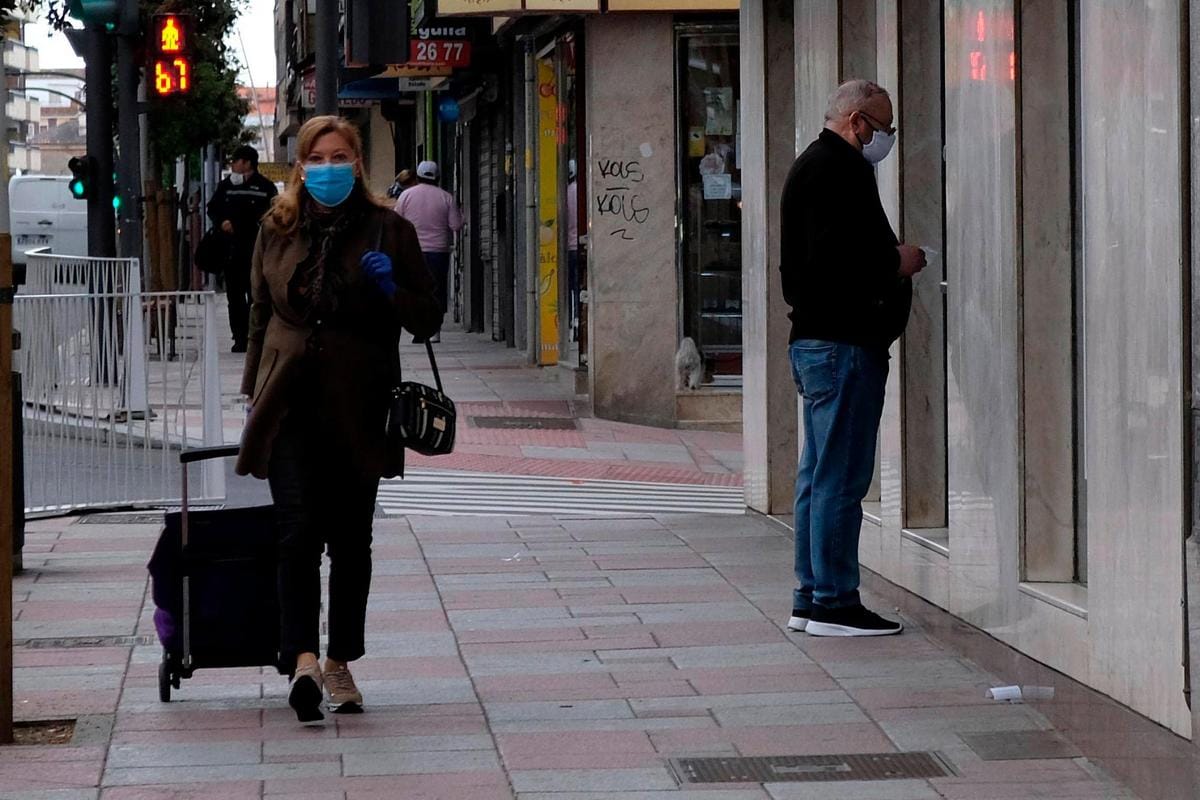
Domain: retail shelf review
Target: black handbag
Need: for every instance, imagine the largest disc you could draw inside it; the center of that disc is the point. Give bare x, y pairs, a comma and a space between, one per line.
420, 417
212, 252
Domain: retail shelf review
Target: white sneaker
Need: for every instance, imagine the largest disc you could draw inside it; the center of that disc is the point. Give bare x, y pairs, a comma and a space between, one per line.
799, 620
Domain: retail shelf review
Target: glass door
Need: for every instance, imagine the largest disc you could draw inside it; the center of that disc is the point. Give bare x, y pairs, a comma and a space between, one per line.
710, 185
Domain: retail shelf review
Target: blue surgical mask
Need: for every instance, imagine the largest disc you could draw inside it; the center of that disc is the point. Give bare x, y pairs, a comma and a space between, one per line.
329, 184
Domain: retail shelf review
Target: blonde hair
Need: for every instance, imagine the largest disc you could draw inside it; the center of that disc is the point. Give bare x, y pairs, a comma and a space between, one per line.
284, 217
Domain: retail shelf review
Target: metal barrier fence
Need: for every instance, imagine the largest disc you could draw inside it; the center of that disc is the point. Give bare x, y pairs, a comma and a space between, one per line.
115, 384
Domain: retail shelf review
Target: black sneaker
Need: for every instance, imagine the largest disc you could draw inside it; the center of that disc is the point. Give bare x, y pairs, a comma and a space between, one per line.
799, 619
853, 621
238, 347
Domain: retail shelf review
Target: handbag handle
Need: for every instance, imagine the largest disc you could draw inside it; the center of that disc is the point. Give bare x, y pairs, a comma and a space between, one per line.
437, 377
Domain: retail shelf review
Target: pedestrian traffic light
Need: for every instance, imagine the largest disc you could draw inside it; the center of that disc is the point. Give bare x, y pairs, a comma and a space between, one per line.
81, 176
171, 54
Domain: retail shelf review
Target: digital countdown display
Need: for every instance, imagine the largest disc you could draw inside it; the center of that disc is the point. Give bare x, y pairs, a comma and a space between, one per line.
171, 54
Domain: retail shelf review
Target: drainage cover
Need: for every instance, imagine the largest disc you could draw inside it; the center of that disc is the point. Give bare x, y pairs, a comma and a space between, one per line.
779, 769
1019, 745
122, 519
525, 423
71, 642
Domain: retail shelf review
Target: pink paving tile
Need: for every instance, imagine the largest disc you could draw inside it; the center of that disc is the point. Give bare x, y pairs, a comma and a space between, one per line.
693, 634
182, 719
226, 790
1021, 790
505, 451
733, 684
594, 760
662, 689
465, 783
377, 668
14, 755
548, 683
402, 583
651, 561
34, 776
399, 723
497, 635
58, 703
777, 740
330, 795
407, 621
577, 742
679, 594
462, 600
871, 699
108, 544
584, 645
75, 657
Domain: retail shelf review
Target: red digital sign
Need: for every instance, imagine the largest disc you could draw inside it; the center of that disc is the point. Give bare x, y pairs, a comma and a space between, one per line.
454, 54
171, 49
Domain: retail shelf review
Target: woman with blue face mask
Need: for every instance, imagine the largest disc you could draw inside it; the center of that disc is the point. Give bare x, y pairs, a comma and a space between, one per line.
335, 277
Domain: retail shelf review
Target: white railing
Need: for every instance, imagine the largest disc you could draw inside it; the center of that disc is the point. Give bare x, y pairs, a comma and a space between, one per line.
48, 273
84, 357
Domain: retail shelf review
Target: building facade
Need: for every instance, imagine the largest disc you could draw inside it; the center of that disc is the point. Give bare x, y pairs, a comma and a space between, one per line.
1036, 455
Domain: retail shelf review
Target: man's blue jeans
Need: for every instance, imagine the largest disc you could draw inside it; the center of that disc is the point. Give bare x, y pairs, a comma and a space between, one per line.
842, 386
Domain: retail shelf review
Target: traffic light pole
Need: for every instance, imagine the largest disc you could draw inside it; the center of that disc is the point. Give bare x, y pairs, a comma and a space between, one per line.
8, 444
98, 62
129, 134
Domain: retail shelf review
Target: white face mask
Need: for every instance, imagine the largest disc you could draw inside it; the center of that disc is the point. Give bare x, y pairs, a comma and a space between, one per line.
878, 148
237, 178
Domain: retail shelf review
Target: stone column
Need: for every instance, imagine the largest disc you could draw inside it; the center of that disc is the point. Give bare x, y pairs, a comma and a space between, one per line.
768, 149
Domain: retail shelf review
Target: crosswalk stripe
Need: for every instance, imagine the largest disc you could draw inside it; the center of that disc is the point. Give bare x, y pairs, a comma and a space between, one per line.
444, 493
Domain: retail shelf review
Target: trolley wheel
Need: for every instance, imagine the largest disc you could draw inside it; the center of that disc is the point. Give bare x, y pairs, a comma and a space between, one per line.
164, 682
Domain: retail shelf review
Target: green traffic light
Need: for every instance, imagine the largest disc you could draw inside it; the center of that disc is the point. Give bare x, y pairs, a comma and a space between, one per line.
77, 188
116, 202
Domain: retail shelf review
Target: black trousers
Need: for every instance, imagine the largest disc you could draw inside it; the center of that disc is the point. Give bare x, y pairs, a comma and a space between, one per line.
237, 289
321, 501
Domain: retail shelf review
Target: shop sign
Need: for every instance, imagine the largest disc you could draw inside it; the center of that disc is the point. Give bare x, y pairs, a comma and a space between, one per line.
673, 5
415, 71
450, 8
420, 84
440, 53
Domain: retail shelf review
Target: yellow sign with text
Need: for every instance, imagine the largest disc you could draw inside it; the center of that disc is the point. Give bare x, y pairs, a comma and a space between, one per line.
547, 213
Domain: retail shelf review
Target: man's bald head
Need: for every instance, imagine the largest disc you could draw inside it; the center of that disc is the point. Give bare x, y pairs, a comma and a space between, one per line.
858, 108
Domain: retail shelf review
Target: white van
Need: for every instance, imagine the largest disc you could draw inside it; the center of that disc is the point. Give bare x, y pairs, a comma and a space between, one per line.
43, 213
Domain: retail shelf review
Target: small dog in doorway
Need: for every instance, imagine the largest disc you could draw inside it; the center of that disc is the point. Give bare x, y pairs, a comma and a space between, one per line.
689, 365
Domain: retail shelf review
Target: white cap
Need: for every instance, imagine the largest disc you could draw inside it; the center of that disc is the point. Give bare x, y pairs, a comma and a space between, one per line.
428, 170
571, 169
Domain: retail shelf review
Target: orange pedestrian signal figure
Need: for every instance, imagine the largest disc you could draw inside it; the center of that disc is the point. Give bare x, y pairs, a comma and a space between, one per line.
172, 61
170, 38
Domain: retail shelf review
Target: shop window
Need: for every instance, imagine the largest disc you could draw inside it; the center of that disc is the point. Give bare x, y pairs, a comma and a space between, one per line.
710, 201
1055, 486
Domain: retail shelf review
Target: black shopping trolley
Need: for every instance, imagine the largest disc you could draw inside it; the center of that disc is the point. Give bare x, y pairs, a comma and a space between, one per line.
213, 584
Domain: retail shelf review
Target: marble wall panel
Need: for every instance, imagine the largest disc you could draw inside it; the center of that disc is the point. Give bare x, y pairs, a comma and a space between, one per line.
632, 274
817, 65
1134, 321
768, 148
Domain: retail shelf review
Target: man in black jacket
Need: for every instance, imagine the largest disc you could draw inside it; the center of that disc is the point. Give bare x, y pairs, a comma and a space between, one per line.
237, 209
848, 281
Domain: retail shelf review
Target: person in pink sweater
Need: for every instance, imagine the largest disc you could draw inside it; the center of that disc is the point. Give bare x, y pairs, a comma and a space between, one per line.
437, 217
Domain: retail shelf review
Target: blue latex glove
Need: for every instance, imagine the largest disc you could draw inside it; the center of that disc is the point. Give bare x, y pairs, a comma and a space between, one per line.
378, 267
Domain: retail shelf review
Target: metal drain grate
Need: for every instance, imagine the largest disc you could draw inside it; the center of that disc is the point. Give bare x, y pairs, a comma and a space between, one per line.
525, 423
71, 642
122, 519
780, 769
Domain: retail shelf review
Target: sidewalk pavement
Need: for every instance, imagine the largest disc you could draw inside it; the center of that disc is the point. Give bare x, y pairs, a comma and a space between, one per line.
537, 657
487, 380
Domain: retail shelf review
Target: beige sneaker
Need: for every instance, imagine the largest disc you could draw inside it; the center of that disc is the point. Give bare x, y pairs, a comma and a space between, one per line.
306, 693
342, 693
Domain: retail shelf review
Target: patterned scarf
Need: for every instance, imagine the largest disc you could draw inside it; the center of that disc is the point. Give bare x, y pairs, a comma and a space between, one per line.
319, 281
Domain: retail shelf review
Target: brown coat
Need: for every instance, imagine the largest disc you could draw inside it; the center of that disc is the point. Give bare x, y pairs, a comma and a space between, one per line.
351, 367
